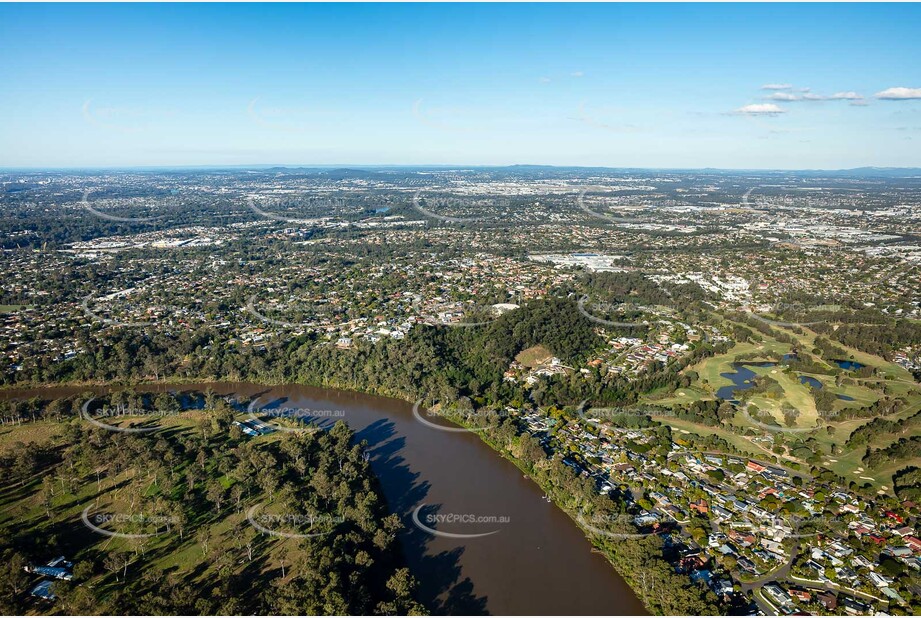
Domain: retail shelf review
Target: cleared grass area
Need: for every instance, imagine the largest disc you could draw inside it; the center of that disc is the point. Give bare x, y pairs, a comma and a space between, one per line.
533, 356
737, 441
844, 429
844, 464
842, 432
849, 461
41, 431
883, 476
895, 388
850, 467
861, 395
681, 396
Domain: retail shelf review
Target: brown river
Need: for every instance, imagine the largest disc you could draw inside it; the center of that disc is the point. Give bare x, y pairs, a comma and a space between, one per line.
501, 548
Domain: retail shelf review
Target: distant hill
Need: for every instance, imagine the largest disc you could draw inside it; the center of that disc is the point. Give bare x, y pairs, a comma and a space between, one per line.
889, 172
373, 170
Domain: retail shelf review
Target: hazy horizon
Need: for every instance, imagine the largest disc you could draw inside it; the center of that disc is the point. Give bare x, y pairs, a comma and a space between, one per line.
438, 166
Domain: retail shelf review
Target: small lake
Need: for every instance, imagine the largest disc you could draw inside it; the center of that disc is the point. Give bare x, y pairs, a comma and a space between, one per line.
813, 382
742, 379
848, 365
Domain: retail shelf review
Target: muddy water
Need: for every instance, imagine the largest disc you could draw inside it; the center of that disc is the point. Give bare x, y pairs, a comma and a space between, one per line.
530, 558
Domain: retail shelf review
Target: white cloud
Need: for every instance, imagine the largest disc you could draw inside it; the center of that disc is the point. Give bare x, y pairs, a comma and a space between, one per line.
760, 109
544, 80
783, 96
776, 86
899, 93
808, 96
577, 73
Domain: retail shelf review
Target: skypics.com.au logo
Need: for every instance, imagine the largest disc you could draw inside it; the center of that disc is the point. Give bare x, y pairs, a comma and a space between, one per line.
458, 525
90, 300
304, 419
461, 411
292, 525
250, 308
639, 418
420, 205
594, 309
99, 417
620, 526
90, 208
592, 210
327, 209
803, 313
767, 420
127, 525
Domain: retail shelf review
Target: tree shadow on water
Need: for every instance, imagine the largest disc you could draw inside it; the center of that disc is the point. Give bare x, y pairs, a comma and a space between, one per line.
442, 587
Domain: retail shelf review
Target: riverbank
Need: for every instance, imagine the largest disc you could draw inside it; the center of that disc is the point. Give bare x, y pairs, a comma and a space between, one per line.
515, 572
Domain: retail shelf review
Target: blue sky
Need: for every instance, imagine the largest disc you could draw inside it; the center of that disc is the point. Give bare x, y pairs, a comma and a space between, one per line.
655, 85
